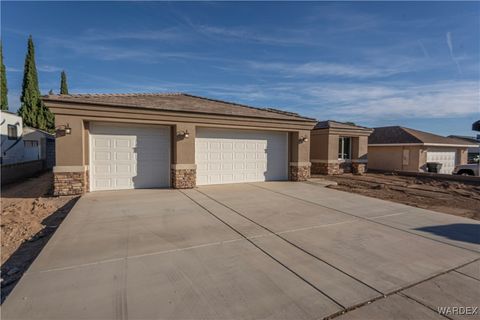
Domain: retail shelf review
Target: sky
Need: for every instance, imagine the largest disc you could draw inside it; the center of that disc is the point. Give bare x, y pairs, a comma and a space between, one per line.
415, 64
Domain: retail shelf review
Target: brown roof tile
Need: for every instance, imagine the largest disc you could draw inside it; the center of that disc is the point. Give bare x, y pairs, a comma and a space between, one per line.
338, 125
176, 102
402, 135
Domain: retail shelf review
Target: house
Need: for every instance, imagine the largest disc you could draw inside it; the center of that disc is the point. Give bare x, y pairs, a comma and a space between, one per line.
25, 151
22, 144
404, 149
338, 147
11, 127
126, 141
473, 152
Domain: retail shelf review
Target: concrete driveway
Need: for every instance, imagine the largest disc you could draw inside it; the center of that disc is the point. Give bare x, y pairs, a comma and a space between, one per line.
277, 250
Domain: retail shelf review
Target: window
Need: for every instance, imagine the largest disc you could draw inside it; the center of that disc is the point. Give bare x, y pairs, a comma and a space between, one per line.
344, 148
12, 132
30, 143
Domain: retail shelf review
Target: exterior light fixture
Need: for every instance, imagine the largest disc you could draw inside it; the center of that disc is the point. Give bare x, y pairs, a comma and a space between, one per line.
303, 139
68, 130
183, 134
63, 130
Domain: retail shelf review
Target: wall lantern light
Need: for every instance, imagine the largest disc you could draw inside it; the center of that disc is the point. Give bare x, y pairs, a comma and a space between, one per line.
183, 134
63, 129
303, 139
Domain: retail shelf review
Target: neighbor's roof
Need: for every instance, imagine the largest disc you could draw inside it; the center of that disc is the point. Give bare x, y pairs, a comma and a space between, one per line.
338, 125
180, 102
466, 138
401, 135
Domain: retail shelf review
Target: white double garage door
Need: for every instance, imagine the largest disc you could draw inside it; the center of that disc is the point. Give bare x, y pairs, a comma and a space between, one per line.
139, 156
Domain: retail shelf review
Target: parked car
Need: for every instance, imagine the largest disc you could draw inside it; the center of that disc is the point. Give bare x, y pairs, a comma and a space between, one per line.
467, 169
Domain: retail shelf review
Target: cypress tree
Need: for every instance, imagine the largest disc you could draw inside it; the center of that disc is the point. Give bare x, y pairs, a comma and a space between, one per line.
63, 83
3, 85
33, 111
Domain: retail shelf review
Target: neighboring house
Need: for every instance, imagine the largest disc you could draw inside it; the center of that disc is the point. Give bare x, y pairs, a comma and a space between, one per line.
338, 147
126, 141
12, 148
473, 152
25, 151
23, 144
403, 149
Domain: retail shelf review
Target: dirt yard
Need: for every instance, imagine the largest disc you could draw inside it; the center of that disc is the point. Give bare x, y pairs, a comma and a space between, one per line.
29, 216
444, 196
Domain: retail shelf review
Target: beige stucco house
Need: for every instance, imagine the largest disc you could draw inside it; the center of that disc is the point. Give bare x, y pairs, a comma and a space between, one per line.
403, 149
338, 147
126, 141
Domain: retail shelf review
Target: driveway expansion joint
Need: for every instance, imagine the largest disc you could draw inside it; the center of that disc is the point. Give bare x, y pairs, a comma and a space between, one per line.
294, 245
363, 218
266, 253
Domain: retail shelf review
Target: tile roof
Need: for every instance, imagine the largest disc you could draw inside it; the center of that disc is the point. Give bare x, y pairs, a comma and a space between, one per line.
338, 125
181, 102
402, 135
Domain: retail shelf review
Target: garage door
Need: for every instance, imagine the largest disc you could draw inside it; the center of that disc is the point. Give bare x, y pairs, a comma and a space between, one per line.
129, 156
445, 157
230, 156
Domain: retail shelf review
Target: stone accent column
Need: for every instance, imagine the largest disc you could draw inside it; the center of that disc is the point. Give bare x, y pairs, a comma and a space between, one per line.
70, 180
359, 167
326, 168
299, 171
183, 169
299, 148
184, 176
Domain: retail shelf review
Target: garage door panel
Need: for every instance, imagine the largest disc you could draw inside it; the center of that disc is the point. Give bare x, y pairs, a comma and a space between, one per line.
446, 157
129, 156
228, 156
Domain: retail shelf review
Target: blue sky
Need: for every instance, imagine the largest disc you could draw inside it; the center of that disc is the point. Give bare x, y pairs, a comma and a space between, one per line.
415, 64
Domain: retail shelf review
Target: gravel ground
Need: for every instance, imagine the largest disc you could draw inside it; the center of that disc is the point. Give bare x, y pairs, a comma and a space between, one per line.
444, 196
29, 216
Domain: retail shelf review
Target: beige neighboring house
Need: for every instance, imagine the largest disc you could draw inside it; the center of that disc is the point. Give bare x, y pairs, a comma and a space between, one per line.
338, 147
126, 141
403, 149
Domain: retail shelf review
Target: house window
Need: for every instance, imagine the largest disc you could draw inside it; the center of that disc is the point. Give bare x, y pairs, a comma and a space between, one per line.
30, 143
12, 132
344, 148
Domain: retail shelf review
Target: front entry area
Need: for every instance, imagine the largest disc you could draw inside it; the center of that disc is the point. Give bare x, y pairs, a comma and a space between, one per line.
231, 156
128, 156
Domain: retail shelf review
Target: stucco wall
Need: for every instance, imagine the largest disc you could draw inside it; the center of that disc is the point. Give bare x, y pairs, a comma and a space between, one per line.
385, 158
391, 158
72, 156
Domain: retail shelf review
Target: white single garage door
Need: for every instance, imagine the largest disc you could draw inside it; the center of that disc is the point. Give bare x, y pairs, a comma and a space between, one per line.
446, 157
230, 156
129, 156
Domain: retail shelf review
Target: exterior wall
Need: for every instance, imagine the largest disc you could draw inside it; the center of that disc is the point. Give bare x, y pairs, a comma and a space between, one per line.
12, 150
324, 151
299, 156
70, 175
72, 151
462, 156
385, 158
391, 157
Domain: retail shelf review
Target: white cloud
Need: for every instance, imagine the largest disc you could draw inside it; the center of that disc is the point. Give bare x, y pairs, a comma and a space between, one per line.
48, 68
450, 48
282, 37
391, 101
330, 69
